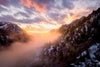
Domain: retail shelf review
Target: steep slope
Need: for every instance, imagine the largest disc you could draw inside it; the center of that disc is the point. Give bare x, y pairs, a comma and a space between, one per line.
10, 33
79, 45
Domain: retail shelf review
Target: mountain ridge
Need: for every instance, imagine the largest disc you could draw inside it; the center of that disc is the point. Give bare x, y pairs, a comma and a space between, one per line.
78, 46
10, 33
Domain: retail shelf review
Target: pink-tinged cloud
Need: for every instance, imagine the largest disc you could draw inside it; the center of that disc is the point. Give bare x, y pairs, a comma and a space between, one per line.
40, 8
3, 2
26, 3
33, 3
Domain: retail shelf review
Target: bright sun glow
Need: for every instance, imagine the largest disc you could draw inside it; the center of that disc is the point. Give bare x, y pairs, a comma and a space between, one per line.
69, 19
41, 27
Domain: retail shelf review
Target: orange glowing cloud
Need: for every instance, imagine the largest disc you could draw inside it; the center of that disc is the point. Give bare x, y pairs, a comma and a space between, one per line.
27, 3
32, 3
40, 8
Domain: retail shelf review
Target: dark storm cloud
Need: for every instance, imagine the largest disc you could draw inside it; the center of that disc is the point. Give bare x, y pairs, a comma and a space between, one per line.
4, 2
9, 2
29, 10
12, 19
35, 20
57, 16
7, 18
21, 13
14, 3
68, 4
40, 2
2, 9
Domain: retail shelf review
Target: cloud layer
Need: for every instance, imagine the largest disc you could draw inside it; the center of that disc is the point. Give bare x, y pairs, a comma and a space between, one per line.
49, 11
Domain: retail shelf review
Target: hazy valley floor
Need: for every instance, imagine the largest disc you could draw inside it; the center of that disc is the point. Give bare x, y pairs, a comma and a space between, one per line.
23, 54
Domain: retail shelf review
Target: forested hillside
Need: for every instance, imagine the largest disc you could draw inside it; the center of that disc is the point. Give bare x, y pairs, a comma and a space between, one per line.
79, 45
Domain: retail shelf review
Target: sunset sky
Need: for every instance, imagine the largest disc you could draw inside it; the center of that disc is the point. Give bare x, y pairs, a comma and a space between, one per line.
44, 15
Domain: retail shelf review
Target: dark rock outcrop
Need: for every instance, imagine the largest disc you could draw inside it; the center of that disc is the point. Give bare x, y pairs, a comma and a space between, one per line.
79, 45
10, 33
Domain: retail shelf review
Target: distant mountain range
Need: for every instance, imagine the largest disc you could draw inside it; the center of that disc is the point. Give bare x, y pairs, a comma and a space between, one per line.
10, 33
79, 45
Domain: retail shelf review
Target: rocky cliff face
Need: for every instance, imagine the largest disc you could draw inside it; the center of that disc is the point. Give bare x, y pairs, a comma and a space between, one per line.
79, 45
10, 33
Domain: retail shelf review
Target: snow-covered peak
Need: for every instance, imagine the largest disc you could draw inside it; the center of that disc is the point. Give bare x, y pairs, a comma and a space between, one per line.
10, 32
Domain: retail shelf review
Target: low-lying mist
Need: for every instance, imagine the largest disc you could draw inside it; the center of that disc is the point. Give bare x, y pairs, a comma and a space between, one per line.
23, 54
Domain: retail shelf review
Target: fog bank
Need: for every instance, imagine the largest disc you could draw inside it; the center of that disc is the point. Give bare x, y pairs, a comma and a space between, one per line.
23, 54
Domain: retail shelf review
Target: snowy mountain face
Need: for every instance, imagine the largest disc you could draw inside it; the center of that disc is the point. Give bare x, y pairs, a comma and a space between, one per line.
79, 45
10, 33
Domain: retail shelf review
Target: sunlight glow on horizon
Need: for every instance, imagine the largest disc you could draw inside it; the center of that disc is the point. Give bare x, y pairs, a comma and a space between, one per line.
42, 27
69, 19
